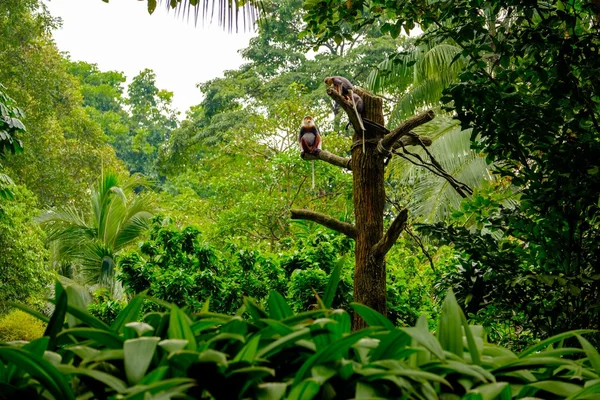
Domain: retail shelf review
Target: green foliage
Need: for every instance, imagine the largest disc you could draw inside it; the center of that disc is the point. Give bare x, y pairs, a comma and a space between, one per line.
23, 274
104, 307
65, 148
18, 325
529, 94
279, 354
10, 127
118, 216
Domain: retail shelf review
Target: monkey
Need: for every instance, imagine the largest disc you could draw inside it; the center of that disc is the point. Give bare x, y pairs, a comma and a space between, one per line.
310, 141
345, 88
309, 137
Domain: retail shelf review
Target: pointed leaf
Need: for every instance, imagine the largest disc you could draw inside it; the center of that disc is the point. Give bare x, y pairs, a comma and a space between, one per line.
372, 317
130, 313
332, 284
138, 355
278, 307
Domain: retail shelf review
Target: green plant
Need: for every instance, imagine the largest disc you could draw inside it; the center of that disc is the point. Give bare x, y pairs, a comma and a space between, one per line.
280, 354
104, 307
19, 325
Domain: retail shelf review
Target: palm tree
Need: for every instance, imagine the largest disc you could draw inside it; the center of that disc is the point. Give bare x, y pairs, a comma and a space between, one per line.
90, 241
417, 77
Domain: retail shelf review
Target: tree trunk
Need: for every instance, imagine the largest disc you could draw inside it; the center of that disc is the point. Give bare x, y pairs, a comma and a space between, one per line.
369, 203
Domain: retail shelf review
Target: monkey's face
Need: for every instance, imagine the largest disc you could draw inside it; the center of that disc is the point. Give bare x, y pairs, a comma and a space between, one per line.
307, 122
329, 81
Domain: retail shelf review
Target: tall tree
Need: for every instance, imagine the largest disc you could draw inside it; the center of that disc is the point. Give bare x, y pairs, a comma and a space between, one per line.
530, 95
65, 147
370, 149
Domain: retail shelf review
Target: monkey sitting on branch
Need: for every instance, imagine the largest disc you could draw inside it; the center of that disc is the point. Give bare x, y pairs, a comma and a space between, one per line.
309, 137
345, 88
310, 141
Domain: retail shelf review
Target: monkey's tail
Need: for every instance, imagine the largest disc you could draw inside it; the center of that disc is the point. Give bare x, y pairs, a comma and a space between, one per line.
313, 174
362, 127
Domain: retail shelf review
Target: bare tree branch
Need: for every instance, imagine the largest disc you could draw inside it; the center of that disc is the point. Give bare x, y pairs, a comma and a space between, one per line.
388, 141
331, 158
392, 234
325, 220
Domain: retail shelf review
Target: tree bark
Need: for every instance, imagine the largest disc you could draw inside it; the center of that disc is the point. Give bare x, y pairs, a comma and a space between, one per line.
369, 202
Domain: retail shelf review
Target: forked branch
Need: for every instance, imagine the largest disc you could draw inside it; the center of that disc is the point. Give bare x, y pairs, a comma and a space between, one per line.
389, 140
325, 220
387, 241
330, 158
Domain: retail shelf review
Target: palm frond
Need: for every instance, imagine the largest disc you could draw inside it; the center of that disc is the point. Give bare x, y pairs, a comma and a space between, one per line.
227, 13
433, 198
132, 229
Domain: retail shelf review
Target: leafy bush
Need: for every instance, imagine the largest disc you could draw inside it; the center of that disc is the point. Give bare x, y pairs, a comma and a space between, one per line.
18, 325
23, 275
104, 307
280, 354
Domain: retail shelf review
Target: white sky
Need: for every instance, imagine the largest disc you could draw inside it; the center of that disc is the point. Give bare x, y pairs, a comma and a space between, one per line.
122, 36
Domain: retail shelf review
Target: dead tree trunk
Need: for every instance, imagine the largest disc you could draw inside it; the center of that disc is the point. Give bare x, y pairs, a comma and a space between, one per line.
368, 170
369, 203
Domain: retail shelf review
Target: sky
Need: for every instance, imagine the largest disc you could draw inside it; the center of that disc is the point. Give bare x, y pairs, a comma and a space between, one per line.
122, 36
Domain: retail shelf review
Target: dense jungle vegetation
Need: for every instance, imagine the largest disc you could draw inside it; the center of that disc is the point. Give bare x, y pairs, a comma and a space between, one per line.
451, 253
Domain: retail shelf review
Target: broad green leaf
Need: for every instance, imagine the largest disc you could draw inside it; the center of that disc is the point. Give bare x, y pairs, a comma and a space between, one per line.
107, 379
471, 342
278, 307
156, 375
180, 327
533, 362
248, 352
449, 332
426, 339
557, 338
171, 345
343, 322
332, 284
139, 392
557, 388
372, 317
57, 321
282, 342
390, 345
138, 355
130, 313
103, 338
44, 372
331, 352
105, 355
255, 311
270, 391
591, 352
493, 391
305, 390
38, 346
140, 328
84, 352
366, 391
584, 394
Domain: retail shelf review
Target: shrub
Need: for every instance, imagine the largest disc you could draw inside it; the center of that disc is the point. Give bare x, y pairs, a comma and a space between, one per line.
18, 325
104, 307
23, 274
280, 354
